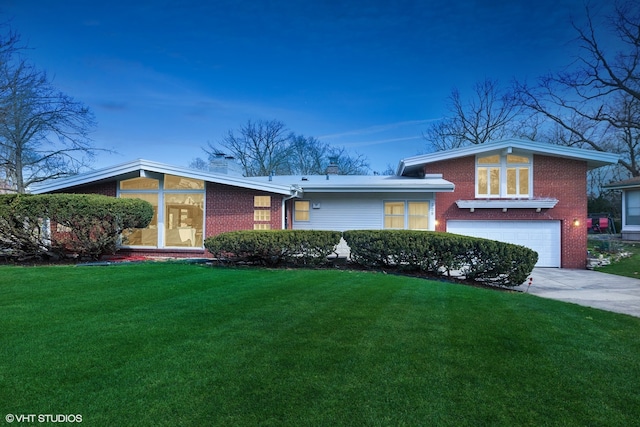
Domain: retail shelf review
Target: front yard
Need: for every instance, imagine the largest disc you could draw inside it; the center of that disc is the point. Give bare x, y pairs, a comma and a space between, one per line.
623, 258
177, 344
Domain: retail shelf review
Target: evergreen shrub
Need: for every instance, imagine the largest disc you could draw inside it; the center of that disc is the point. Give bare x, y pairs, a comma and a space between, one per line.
438, 253
273, 247
54, 225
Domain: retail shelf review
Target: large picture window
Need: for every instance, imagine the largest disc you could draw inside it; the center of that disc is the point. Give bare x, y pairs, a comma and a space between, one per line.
410, 215
503, 176
178, 204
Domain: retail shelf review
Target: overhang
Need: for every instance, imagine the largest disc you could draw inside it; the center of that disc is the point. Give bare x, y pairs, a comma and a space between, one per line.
595, 159
506, 204
363, 183
624, 185
140, 168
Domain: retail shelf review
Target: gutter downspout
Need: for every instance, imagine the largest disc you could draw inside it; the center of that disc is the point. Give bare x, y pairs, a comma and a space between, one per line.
295, 192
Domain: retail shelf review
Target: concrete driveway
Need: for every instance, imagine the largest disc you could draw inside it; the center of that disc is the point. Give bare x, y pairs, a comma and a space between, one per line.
588, 288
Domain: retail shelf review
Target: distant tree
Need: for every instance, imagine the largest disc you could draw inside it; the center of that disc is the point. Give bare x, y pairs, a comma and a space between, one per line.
43, 132
491, 113
266, 147
261, 147
595, 102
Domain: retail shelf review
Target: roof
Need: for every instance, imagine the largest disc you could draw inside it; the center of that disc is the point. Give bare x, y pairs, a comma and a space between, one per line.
286, 185
594, 159
138, 168
361, 183
621, 185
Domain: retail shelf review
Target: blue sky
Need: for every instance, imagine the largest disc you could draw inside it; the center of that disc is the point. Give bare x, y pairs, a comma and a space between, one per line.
164, 77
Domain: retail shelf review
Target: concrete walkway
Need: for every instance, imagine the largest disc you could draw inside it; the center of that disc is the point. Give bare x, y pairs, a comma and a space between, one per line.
588, 288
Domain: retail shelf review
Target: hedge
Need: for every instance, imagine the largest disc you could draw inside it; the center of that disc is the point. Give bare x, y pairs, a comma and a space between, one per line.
437, 253
273, 247
54, 225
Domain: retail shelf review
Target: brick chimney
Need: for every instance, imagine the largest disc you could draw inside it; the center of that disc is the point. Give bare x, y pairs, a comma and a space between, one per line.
333, 168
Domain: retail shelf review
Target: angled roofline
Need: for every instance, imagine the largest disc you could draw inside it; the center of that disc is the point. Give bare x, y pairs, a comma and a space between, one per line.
594, 159
137, 168
624, 184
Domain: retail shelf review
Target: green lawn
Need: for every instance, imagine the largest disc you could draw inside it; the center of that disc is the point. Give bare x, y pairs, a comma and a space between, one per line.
629, 266
176, 344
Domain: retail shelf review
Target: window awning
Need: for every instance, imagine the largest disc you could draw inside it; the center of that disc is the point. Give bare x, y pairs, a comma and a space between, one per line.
505, 204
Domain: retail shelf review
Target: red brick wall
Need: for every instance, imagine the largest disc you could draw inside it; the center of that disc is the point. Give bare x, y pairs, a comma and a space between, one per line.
231, 209
562, 179
228, 208
104, 188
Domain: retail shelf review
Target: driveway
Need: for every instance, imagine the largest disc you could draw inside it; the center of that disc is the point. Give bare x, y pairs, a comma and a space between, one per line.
588, 288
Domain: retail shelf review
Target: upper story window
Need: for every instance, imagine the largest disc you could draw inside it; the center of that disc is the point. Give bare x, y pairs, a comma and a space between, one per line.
503, 176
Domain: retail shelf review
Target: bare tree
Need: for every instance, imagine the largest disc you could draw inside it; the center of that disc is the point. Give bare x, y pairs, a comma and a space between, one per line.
309, 156
489, 114
261, 147
354, 164
595, 103
267, 147
43, 132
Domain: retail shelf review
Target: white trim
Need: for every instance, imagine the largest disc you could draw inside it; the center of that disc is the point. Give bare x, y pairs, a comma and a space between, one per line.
140, 167
503, 165
593, 158
507, 204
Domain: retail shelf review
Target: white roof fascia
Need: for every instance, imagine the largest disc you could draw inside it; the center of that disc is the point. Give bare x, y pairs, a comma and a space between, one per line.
141, 165
365, 183
594, 158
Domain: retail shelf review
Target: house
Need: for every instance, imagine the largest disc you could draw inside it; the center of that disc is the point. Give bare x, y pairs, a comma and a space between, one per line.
630, 207
521, 192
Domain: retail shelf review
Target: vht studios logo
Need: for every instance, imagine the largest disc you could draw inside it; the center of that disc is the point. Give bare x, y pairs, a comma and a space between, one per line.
43, 418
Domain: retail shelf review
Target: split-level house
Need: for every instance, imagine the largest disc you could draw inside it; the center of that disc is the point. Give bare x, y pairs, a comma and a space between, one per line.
522, 192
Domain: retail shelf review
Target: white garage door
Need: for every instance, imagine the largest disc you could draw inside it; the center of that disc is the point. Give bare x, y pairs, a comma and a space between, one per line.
541, 236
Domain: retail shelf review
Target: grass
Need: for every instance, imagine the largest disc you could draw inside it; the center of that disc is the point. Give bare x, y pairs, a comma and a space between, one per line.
175, 344
628, 266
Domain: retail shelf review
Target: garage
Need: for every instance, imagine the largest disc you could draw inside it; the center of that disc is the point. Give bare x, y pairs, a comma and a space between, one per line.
541, 236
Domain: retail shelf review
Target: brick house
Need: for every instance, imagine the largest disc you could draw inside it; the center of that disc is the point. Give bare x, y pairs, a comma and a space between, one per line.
522, 192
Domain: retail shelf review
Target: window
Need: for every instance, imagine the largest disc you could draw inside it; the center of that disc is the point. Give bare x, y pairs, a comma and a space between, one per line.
301, 210
143, 236
262, 212
411, 215
632, 207
261, 215
139, 184
507, 176
178, 204
172, 182
261, 201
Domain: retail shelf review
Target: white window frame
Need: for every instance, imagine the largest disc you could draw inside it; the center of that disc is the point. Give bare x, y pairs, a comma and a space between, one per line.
162, 192
625, 208
503, 166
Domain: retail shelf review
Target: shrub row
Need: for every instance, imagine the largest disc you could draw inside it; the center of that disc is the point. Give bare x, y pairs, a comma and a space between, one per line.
441, 254
273, 247
54, 225
434, 253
